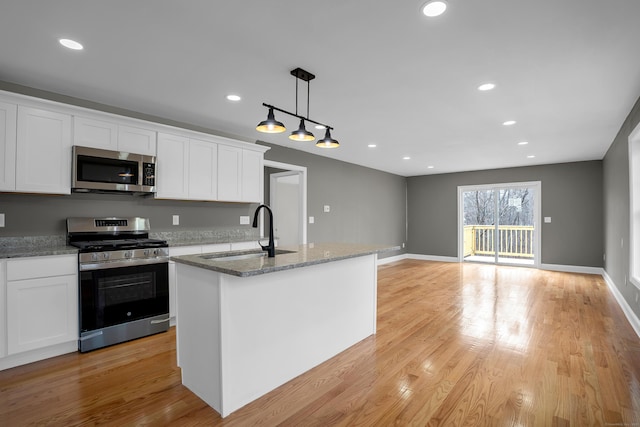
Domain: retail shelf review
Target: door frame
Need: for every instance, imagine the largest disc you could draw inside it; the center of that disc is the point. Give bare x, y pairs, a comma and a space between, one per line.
537, 185
302, 171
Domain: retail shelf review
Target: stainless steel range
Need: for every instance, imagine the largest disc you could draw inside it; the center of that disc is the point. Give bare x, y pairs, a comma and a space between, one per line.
123, 280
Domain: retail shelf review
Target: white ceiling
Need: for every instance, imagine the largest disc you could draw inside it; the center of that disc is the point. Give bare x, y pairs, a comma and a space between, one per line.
567, 71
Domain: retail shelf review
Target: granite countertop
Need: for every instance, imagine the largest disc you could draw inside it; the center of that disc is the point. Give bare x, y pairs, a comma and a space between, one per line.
32, 246
19, 247
300, 256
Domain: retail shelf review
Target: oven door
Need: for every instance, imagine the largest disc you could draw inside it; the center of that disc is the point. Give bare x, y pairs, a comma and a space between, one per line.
115, 296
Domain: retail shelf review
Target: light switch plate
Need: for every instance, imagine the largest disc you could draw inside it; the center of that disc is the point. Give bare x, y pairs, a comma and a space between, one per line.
244, 219
1, 220
547, 219
176, 220
327, 208
311, 220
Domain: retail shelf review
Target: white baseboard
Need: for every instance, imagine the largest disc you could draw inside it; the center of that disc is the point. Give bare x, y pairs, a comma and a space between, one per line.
13, 360
626, 309
433, 258
572, 268
387, 260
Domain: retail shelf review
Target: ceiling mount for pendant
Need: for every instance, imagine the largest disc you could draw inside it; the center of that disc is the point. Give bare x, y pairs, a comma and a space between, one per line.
271, 125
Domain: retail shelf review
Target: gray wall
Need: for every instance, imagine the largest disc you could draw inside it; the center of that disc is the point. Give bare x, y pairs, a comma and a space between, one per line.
367, 205
571, 196
617, 210
45, 215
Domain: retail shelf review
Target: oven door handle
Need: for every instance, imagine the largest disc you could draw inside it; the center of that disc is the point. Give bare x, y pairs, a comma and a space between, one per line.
156, 321
121, 263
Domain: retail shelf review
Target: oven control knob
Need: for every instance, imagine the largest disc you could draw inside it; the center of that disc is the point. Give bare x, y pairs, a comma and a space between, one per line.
146, 252
127, 254
94, 256
155, 252
105, 255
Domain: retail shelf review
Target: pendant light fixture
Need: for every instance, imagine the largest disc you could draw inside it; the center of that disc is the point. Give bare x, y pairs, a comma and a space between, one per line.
271, 125
327, 141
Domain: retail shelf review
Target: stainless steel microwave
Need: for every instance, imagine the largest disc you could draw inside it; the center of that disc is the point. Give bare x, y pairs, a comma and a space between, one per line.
105, 170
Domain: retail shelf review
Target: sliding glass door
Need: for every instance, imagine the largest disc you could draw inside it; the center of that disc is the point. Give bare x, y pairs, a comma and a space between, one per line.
500, 223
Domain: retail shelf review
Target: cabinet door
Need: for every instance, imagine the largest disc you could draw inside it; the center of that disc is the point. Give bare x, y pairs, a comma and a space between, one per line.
8, 146
95, 133
3, 309
203, 170
41, 312
172, 167
229, 173
136, 140
43, 151
252, 176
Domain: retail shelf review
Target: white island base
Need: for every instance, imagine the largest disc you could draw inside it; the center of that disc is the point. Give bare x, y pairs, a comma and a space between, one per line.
241, 337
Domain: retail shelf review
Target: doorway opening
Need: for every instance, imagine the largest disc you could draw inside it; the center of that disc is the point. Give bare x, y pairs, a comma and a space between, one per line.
500, 223
287, 196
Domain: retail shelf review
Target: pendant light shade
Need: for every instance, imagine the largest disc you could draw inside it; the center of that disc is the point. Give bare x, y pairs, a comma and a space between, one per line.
327, 141
271, 125
302, 134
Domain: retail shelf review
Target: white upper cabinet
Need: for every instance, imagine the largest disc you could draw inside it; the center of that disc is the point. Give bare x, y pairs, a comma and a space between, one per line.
136, 140
172, 167
8, 146
95, 133
186, 168
252, 176
229, 173
240, 172
109, 135
203, 170
43, 159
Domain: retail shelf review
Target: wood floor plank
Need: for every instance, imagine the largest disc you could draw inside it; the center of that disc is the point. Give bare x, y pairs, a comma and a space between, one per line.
456, 345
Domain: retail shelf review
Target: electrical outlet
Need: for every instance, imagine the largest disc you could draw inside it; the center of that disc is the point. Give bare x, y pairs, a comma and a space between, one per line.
636, 297
176, 220
1, 220
547, 219
312, 220
244, 219
604, 257
403, 245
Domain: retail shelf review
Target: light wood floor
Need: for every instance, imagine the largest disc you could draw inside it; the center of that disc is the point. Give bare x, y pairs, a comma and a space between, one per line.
457, 344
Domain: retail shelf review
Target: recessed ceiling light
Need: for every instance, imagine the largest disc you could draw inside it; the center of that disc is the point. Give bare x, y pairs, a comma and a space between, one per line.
434, 8
234, 98
372, 145
406, 158
430, 167
509, 123
531, 156
71, 44
486, 86
523, 143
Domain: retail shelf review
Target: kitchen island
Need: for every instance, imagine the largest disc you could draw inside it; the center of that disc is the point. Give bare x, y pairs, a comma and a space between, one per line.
247, 323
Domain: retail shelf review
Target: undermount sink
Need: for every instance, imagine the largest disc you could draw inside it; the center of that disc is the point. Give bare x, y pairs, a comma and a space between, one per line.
242, 256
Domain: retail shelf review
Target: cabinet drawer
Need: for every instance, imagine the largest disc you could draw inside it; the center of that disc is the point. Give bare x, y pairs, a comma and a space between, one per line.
31, 268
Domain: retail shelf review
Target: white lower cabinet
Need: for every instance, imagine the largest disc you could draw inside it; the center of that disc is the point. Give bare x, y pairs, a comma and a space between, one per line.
41, 312
3, 309
41, 306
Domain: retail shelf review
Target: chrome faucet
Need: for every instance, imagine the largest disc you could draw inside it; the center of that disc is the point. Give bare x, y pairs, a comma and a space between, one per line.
271, 247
